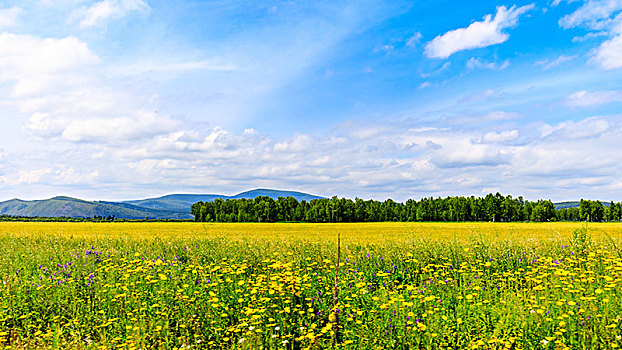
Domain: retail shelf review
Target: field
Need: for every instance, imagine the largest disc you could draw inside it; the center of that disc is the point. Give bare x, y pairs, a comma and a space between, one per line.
272, 286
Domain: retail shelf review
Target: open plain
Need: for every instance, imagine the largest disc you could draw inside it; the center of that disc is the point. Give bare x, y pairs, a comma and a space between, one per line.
398, 285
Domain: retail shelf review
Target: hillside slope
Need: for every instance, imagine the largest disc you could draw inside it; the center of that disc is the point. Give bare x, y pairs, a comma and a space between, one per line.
78, 208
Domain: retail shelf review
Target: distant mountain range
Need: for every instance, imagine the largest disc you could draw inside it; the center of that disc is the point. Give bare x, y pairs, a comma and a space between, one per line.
574, 204
184, 201
173, 206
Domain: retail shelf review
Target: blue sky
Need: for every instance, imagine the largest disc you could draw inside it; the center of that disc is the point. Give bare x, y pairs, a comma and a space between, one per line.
122, 99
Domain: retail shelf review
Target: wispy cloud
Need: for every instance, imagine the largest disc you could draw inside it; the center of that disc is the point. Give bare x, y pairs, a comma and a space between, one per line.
414, 40
585, 98
594, 14
604, 17
548, 64
102, 11
9, 17
477, 34
475, 63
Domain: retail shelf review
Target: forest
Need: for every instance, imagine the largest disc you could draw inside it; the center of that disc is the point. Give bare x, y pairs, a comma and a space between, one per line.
491, 208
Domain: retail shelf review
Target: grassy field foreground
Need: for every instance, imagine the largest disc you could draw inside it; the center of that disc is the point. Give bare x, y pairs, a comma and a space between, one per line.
271, 286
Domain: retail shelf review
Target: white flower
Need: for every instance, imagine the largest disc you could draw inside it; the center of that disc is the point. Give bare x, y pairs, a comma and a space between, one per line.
251, 328
274, 336
618, 337
277, 328
284, 342
241, 340
544, 341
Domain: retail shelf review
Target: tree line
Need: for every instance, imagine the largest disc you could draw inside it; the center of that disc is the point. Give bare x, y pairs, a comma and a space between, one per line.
492, 207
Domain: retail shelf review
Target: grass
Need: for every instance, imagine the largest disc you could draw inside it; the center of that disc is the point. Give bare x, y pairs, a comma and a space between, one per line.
400, 285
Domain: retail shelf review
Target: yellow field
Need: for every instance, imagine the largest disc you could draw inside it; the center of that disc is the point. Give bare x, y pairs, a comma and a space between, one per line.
277, 286
358, 233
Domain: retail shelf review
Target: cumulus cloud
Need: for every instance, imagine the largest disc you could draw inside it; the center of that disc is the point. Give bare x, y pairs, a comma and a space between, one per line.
401, 160
477, 34
297, 144
585, 98
609, 54
31, 176
36, 64
463, 152
98, 129
102, 11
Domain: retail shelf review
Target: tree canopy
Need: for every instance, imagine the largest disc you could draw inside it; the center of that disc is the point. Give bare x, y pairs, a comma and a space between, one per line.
492, 207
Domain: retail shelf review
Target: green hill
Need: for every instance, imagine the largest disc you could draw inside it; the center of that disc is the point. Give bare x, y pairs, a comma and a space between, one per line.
173, 206
78, 208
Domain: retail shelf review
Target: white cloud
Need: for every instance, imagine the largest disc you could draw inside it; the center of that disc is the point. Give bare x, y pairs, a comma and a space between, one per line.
32, 176
585, 98
387, 48
298, 143
414, 40
142, 67
70, 176
98, 129
609, 54
460, 151
605, 18
9, 16
594, 14
589, 36
102, 11
586, 128
477, 34
499, 137
400, 160
548, 64
475, 63
483, 119
36, 64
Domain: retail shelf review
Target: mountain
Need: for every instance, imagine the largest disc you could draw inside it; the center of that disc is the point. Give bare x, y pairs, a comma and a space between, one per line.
78, 208
274, 194
184, 201
573, 204
173, 206
177, 202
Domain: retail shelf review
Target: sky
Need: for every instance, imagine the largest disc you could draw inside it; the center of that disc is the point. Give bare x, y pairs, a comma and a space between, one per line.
126, 99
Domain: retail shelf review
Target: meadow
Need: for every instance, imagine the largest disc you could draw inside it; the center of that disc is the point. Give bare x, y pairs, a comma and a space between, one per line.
278, 286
